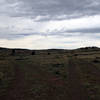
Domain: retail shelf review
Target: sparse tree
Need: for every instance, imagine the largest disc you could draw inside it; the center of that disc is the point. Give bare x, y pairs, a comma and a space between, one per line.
13, 52
57, 72
48, 53
1, 77
33, 52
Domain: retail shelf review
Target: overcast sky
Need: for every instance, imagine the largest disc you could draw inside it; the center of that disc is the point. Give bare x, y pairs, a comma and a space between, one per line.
43, 24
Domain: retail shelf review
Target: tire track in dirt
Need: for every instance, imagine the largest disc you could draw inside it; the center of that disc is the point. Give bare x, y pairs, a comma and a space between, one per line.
91, 75
18, 87
73, 90
76, 90
89, 68
57, 87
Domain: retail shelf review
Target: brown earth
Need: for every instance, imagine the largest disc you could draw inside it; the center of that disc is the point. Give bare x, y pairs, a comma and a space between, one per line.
57, 76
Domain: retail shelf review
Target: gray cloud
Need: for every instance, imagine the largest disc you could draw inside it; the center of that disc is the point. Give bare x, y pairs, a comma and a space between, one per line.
14, 36
54, 9
86, 30
62, 32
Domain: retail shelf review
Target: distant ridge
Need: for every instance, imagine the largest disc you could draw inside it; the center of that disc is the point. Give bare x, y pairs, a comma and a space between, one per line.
87, 49
82, 48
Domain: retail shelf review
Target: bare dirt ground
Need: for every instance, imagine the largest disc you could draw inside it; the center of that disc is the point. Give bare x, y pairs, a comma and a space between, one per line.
76, 88
18, 86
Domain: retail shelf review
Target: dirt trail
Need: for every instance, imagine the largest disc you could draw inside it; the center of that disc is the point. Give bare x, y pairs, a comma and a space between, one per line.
76, 90
18, 87
91, 74
57, 89
91, 69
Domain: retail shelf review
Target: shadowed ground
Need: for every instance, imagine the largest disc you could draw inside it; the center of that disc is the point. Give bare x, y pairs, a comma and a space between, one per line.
50, 75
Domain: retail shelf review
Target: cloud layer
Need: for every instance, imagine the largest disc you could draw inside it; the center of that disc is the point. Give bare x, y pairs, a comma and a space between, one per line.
56, 19
50, 9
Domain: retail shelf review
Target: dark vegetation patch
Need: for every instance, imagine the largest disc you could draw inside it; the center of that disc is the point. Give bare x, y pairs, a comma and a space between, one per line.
96, 61
33, 53
13, 52
75, 54
49, 53
97, 57
20, 59
58, 65
57, 73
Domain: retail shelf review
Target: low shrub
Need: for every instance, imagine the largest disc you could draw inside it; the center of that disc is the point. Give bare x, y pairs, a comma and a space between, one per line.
13, 52
33, 52
96, 61
48, 53
1, 75
58, 65
57, 73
